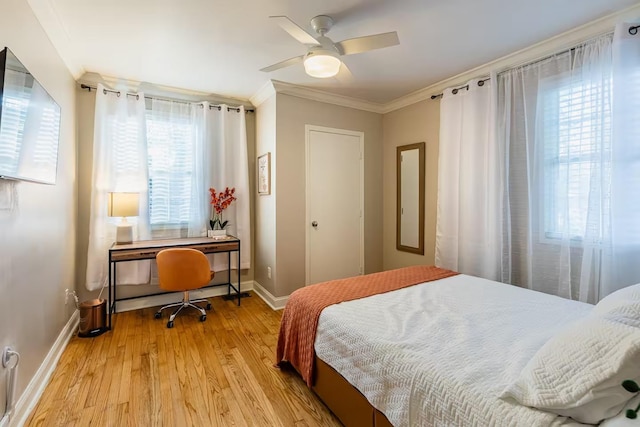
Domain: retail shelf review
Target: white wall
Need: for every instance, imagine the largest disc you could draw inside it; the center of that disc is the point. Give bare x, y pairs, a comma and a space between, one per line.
37, 237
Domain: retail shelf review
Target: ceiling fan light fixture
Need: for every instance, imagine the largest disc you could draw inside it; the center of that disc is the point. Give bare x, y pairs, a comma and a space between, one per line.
322, 64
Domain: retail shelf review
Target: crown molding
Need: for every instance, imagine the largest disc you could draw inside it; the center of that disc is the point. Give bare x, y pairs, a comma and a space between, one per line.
327, 97
265, 92
170, 92
532, 53
58, 34
272, 87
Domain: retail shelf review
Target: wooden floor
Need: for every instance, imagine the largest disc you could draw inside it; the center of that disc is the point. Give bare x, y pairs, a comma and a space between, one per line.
214, 373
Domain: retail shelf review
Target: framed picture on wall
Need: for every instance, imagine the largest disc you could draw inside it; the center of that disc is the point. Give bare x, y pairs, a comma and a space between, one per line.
264, 174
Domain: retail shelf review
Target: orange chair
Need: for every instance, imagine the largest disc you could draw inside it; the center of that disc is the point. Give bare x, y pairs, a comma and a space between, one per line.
183, 270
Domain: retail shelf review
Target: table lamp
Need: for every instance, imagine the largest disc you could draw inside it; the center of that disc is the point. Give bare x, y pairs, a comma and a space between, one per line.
124, 205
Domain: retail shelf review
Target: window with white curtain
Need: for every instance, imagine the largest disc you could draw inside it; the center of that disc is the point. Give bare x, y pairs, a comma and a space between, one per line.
124, 150
170, 151
124, 155
575, 115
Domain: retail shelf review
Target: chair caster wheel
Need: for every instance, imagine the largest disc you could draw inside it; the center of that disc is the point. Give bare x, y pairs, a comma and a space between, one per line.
203, 317
170, 324
208, 307
158, 315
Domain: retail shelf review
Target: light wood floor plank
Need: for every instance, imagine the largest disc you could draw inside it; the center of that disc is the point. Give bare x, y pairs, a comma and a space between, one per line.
214, 373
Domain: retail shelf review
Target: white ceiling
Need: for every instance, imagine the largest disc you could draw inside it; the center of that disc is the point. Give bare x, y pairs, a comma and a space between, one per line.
218, 46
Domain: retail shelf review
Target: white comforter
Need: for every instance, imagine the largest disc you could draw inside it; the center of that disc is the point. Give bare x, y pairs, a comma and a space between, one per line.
440, 353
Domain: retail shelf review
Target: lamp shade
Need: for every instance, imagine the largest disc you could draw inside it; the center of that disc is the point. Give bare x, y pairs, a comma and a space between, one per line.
322, 64
123, 204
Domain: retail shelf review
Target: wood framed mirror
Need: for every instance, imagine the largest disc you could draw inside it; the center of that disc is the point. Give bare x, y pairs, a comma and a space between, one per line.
410, 198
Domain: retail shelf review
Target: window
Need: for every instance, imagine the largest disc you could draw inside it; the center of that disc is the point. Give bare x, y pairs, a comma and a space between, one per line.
576, 120
170, 151
166, 159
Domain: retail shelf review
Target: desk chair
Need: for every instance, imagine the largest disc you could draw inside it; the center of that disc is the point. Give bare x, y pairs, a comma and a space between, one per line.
183, 270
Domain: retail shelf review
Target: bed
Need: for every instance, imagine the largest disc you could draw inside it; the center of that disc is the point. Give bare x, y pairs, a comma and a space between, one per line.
439, 352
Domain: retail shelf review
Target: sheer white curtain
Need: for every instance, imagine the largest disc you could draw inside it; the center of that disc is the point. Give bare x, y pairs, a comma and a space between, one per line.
119, 164
622, 261
177, 190
470, 175
171, 153
227, 165
554, 117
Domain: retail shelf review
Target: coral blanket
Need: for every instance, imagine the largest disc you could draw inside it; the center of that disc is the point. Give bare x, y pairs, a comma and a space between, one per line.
300, 318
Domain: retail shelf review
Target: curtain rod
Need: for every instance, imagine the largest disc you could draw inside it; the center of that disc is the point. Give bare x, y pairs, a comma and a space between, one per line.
632, 30
456, 90
219, 107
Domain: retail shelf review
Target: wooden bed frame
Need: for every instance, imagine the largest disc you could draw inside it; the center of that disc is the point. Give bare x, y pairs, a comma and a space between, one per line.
344, 400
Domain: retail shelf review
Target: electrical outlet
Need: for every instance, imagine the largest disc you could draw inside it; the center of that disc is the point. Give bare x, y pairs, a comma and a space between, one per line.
69, 294
269, 272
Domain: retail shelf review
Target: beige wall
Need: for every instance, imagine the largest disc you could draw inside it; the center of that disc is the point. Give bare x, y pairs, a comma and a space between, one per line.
292, 115
265, 224
37, 235
414, 123
86, 110
86, 102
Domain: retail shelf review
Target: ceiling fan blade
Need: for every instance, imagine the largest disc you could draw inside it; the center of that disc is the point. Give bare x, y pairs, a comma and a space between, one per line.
282, 64
344, 75
295, 30
363, 44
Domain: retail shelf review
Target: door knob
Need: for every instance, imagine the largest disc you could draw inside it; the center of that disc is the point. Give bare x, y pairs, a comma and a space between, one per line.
314, 224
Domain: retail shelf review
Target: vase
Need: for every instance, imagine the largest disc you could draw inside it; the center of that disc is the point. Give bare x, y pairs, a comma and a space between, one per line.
216, 233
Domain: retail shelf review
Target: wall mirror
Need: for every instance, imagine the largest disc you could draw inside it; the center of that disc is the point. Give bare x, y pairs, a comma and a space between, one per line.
410, 195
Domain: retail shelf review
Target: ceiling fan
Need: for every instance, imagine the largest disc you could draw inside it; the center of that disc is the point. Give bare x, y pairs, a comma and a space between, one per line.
322, 59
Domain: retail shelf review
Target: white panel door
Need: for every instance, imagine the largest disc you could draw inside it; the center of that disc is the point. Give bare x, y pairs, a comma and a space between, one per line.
334, 204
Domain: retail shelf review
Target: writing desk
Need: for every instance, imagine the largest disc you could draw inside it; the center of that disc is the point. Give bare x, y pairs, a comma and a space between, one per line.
148, 249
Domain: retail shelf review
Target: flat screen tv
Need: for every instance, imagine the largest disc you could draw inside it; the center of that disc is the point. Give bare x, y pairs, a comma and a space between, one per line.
29, 125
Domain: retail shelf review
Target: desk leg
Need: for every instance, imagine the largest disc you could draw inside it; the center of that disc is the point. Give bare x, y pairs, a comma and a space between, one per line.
229, 275
109, 295
115, 285
239, 290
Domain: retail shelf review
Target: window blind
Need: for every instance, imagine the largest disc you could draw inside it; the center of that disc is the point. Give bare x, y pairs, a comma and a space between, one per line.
170, 150
576, 120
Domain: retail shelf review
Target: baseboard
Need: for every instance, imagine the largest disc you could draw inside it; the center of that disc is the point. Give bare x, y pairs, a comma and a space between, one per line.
276, 303
156, 300
34, 390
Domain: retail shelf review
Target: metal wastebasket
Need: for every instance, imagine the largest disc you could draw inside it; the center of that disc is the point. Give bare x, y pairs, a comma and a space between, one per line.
93, 318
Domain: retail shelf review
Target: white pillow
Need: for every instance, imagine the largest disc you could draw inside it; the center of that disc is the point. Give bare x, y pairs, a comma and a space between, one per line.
578, 373
628, 297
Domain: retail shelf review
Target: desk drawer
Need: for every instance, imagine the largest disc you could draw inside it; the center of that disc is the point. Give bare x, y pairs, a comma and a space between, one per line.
218, 247
133, 254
